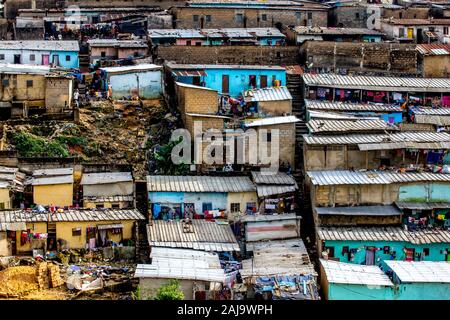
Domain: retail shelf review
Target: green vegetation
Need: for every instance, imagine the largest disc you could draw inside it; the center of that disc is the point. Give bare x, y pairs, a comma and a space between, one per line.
31, 146
170, 291
164, 162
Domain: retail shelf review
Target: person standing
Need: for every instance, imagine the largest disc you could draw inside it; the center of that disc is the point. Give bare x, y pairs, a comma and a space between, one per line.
76, 97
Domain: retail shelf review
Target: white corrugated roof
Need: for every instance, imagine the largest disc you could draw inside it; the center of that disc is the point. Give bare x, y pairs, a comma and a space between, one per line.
396, 137
23, 69
335, 31
347, 177
207, 235
187, 85
421, 271
117, 43
388, 233
268, 94
52, 180
105, 178
215, 33
135, 68
41, 45
52, 172
380, 210
179, 66
321, 125
199, 184
378, 83
348, 106
271, 121
349, 273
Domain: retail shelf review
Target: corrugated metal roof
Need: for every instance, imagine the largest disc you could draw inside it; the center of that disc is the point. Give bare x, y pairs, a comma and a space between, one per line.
204, 115
105, 178
359, 211
15, 216
377, 83
434, 49
207, 235
321, 126
117, 43
13, 226
417, 22
316, 115
347, 177
173, 65
135, 68
215, 33
435, 116
199, 184
269, 217
348, 106
422, 205
7, 68
186, 85
383, 234
96, 199
268, 94
397, 137
52, 180
431, 111
271, 121
272, 178
270, 258
52, 172
336, 31
405, 145
421, 271
350, 273
270, 190
40, 45
182, 264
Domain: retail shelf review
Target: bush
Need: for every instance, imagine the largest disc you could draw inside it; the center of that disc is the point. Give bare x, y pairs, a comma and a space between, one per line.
170, 291
30, 146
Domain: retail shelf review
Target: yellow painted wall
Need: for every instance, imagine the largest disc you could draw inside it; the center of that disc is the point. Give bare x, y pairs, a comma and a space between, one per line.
5, 250
36, 227
242, 198
5, 198
64, 231
56, 194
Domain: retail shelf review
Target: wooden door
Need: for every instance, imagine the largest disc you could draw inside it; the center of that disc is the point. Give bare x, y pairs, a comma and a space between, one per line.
46, 59
410, 33
225, 83
263, 81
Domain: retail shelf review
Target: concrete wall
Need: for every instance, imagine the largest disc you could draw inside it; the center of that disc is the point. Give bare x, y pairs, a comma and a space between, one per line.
272, 230
207, 123
253, 55
58, 93
192, 100
242, 198
26, 57
5, 247
275, 108
226, 17
436, 66
5, 198
149, 287
109, 189
339, 220
379, 58
123, 85
37, 227
19, 91
424, 192
92, 205
57, 194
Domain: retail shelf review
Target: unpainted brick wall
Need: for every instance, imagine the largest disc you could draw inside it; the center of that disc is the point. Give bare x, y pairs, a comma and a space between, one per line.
257, 55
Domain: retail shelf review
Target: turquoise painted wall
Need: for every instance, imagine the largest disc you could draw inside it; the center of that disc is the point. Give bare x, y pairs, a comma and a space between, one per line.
425, 192
403, 291
238, 79
73, 63
217, 199
436, 251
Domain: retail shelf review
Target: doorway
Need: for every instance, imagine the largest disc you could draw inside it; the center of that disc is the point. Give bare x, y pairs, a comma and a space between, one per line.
225, 84
196, 81
409, 253
51, 238
263, 81
370, 256
419, 36
45, 59
17, 59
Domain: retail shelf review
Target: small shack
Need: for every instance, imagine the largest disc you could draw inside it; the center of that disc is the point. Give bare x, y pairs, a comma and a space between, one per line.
53, 187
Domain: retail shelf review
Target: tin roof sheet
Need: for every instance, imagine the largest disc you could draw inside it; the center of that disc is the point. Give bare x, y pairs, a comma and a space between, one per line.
39, 181
347, 177
431, 111
7, 68
206, 235
383, 234
377, 83
105, 178
270, 190
97, 199
317, 115
187, 85
270, 258
348, 106
135, 68
321, 125
199, 184
172, 65
350, 273
268, 94
40, 45
421, 271
388, 210
271, 121
52, 172
417, 22
215, 33
117, 43
397, 137
422, 205
434, 49
272, 178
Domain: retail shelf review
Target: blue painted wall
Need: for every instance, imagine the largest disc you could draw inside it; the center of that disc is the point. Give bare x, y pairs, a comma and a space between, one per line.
425, 192
217, 199
436, 250
73, 63
340, 291
238, 79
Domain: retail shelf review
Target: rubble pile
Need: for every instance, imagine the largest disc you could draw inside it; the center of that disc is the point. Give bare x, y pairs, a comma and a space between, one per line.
18, 281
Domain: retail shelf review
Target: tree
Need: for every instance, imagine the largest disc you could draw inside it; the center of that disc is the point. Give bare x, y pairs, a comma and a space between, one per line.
170, 291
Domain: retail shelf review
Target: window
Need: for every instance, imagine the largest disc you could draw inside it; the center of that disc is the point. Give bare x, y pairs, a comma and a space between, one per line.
2, 205
32, 57
206, 206
67, 58
298, 15
330, 251
136, 54
309, 15
208, 18
251, 207
264, 17
103, 54
239, 17
445, 30
76, 232
269, 137
400, 15
198, 43
235, 207
29, 83
99, 206
252, 81
5, 82
195, 17
426, 251
2, 57
401, 32
115, 206
357, 15
188, 42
